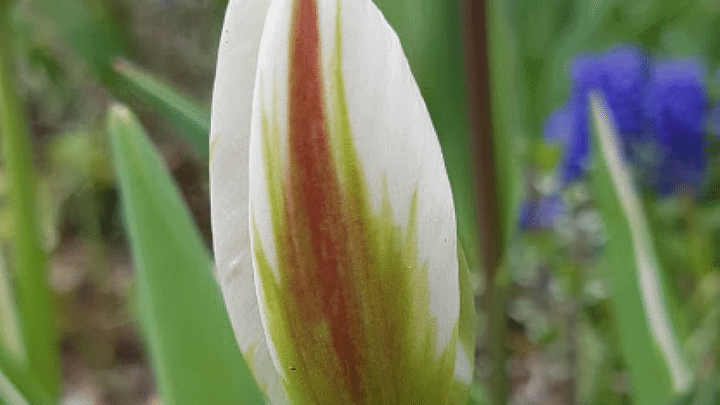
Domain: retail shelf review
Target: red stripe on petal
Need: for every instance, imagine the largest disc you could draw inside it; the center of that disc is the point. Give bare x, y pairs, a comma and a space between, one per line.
320, 271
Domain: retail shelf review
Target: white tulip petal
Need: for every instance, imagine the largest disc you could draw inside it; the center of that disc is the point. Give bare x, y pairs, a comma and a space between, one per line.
229, 146
352, 222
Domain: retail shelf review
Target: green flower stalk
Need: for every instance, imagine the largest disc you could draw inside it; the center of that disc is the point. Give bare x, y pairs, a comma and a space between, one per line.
333, 220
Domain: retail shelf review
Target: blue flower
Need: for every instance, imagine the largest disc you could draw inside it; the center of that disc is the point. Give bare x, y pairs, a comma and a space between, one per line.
560, 126
621, 75
676, 106
541, 213
660, 113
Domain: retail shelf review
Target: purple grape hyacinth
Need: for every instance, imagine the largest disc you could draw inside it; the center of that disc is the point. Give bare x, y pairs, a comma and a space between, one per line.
541, 213
677, 106
660, 108
621, 74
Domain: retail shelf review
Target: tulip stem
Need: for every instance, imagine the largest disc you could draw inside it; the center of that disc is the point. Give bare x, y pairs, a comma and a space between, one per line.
477, 70
493, 107
497, 332
492, 136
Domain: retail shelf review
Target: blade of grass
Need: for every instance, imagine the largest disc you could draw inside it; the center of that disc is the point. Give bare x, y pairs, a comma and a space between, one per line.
187, 117
648, 339
16, 381
9, 393
93, 33
11, 341
194, 351
34, 301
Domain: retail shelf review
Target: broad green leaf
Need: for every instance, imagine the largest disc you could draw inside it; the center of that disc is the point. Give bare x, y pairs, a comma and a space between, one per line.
188, 118
648, 338
192, 345
30, 266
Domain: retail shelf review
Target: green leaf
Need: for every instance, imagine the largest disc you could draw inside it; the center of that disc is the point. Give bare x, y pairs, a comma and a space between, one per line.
188, 118
194, 351
91, 29
477, 395
588, 19
503, 60
33, 295
507, 133
17, 386
707, 392
6, 5
11, 340
9, 394
539, 23
648, 338
547, 155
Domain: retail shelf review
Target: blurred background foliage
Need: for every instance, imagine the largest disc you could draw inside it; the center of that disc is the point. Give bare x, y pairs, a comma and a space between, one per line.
560, 301
76, 58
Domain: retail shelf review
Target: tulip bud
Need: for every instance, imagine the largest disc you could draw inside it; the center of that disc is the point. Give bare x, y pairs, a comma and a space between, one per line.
333, 220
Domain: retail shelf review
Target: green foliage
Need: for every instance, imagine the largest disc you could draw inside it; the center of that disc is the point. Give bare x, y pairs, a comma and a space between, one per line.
705, 393
506, 107
682, 229
18, 386
477, 395
11, 339
648, 338
92, 30
191, 120
30, 267
9, 393
96, 35
193, 348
